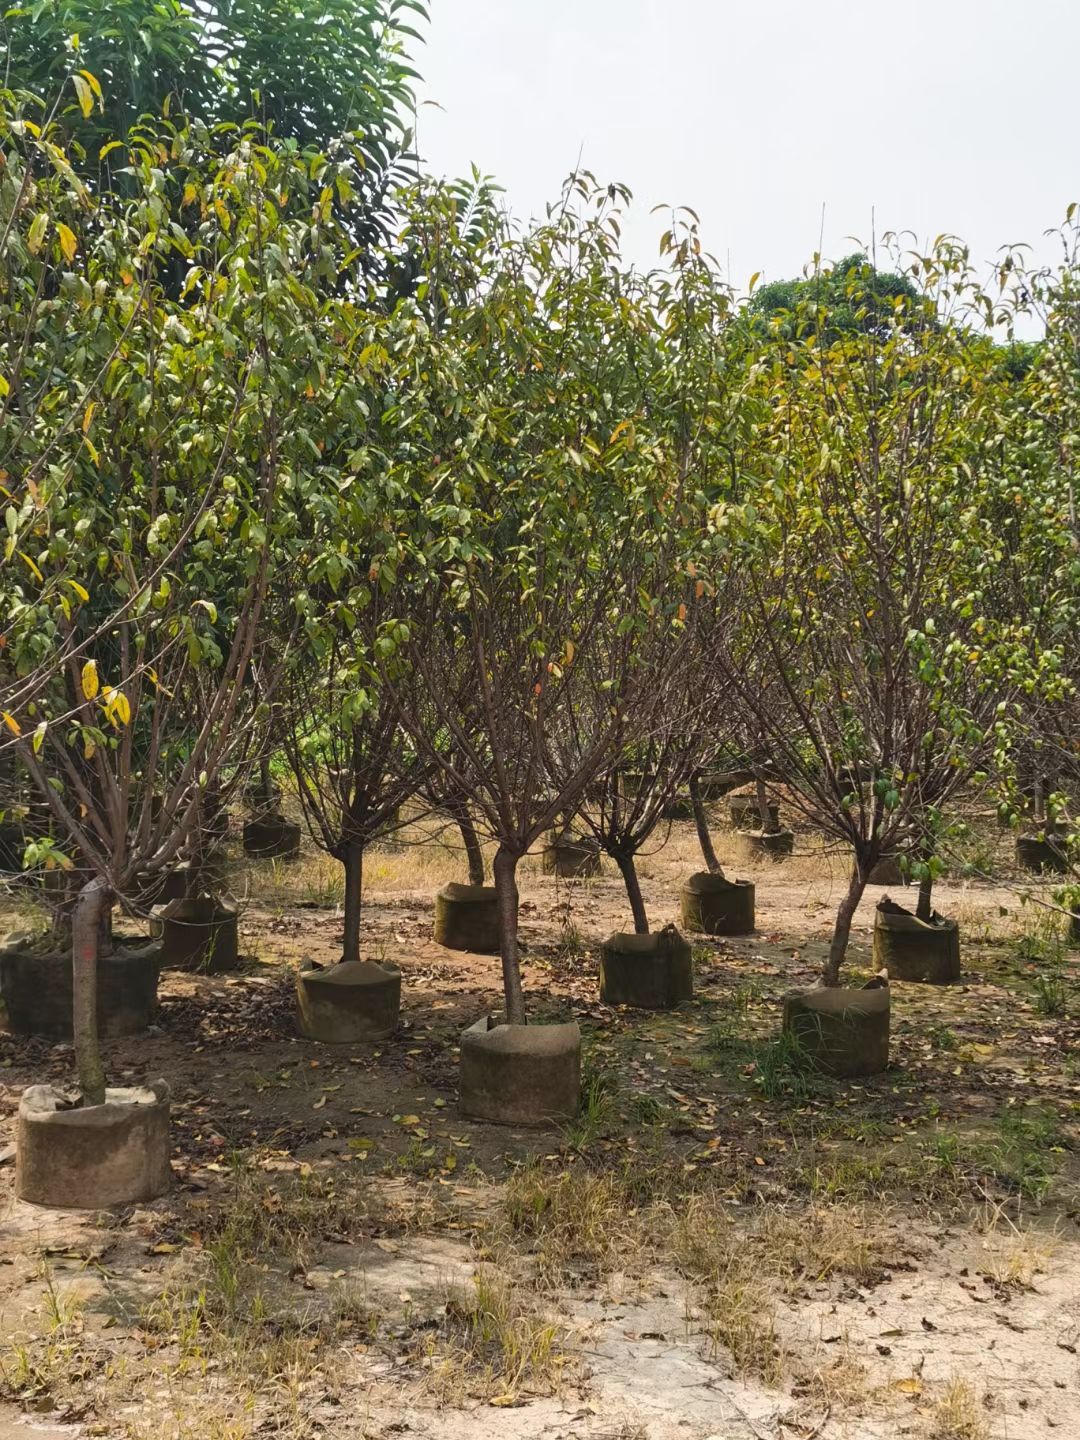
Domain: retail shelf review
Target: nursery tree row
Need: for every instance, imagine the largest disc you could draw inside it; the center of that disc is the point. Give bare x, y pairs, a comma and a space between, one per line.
476, 514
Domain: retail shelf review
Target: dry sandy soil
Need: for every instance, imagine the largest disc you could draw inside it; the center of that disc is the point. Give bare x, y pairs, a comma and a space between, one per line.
722, 1246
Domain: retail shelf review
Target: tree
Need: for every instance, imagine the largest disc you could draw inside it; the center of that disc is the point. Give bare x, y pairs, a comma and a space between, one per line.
333, 82
182, 480
310, 76
865, 550
353, 763
849, 298
633, 797
532, 510
1038, 515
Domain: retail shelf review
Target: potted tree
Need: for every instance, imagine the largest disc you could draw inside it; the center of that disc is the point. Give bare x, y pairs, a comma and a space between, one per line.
353, 765
530, 518
710, 903
867, 611
466, 914
635, 794
177, 500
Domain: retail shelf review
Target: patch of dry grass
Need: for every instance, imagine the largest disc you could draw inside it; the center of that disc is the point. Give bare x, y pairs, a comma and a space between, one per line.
741, 1267
1013, 1254
823, 1241
958, 1415
579, 1225
493, 1345
575, 1224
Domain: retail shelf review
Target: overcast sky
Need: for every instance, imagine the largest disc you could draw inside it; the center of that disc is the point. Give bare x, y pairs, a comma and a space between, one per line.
930, 115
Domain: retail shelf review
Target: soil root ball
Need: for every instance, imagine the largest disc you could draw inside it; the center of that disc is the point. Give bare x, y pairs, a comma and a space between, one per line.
711, 904
887, 872
571, 858
35, 983
652, 972
467, 918
349, 1003
271, 837
1042, 854
520, 1074
746, 814
95, 1156
912, 949
775, 844
840, 1031
199, 932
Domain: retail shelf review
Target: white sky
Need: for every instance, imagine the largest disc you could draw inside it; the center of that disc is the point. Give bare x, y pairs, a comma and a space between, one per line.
937, 115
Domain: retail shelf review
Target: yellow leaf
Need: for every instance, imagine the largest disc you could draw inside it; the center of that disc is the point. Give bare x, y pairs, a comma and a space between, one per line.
34, 569
90, 681
85, 94
121, 707
39, 736
11, 723
68, 242
92, 81
912, 1385
36, 233
89, 749
88, 415
80, 590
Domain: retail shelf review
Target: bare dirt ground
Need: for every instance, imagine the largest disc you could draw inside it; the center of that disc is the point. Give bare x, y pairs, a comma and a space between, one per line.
722, 1246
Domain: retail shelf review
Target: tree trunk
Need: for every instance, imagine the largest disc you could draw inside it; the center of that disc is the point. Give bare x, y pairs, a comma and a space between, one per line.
506, 887
86, 931
266, 784
354, 881
925, 907
712, 864
633, 892
764, 815
842, 930
472, 845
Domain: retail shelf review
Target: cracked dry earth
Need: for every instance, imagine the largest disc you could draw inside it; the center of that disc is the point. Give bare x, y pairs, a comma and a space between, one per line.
402, 1302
